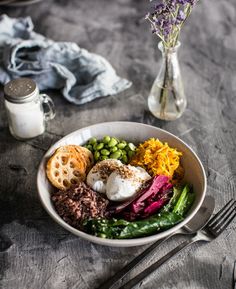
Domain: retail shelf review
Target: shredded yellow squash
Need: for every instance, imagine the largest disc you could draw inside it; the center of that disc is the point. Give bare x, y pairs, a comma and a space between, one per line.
158, 158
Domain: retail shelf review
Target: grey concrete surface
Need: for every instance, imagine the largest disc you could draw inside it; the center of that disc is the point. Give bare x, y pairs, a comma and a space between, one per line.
35, 253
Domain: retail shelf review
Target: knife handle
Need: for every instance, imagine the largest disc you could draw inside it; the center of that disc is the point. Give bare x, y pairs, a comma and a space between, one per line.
108, 284
137, 279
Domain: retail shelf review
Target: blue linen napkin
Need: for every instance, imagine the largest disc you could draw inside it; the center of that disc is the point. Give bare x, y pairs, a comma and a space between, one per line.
80, 75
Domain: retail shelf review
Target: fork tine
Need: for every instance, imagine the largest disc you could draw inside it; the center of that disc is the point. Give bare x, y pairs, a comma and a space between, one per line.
218, 215
224, 217
220, 230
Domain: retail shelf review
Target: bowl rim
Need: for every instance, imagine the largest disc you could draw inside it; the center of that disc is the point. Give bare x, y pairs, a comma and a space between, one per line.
122, 242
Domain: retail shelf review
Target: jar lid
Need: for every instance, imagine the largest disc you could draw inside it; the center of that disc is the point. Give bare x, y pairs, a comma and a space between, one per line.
20, 90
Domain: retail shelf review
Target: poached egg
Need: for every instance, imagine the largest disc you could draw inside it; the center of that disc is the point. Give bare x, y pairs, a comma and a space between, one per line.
98, 175
118, 181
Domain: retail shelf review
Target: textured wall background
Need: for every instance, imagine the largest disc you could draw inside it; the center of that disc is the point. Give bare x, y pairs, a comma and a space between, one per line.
35, 252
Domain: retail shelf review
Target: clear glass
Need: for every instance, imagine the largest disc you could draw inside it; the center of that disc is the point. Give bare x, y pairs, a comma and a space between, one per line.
27, 120
167, 99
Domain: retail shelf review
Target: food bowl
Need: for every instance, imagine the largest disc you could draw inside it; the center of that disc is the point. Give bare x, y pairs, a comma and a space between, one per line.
136, 133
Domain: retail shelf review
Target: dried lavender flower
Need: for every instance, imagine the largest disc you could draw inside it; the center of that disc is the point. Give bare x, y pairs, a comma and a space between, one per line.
181, 15
167, 18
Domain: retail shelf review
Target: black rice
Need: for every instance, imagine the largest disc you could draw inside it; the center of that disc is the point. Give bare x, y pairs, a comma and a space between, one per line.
78, 204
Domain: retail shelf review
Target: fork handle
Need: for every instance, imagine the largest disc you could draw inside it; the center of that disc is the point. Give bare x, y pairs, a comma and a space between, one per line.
130, 284
108, 284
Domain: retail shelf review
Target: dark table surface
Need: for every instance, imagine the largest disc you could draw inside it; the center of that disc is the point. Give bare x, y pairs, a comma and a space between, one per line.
35, 252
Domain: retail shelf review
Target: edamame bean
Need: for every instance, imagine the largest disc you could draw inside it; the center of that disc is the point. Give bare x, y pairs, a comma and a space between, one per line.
113, 142
105, 152
92, 141
130, 154
89, 147
121, 145
120, 151
124, 152
99, 146
102, 158
127, 149
124, 159
115, 155
96, 155
113, 149
106, 139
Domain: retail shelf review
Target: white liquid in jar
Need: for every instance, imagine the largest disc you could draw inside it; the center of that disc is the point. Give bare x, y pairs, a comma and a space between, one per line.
26, 120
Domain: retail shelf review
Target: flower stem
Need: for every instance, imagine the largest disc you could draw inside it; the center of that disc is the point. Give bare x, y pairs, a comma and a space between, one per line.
164, 87
176, 99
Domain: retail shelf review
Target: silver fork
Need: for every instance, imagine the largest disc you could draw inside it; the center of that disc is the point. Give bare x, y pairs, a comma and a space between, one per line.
211, 231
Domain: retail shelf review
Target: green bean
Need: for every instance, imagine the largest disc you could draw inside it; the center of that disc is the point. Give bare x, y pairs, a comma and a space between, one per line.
120, 152
127, 149
89, 147
110, 147
113, 149
124, 152
130, 154
113, 142
102, 158
92, 141
121, 145
106, 139
115, 155
96, 155
99, 146
124, 159
105, 152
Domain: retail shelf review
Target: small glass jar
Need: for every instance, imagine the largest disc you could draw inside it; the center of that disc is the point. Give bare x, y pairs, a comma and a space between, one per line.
27, 109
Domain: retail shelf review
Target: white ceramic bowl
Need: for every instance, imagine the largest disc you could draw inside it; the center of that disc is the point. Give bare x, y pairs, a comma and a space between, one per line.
133, 132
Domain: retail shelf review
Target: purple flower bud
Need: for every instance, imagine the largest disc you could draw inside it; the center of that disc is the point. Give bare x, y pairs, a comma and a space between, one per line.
159, 8
166, 16
171, 5
167, 31
181, 16
182, 2
165, 23
192, 2
154, 30
158, 22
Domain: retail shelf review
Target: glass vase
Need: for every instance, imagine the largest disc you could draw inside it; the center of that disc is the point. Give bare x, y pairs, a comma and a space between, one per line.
167, 100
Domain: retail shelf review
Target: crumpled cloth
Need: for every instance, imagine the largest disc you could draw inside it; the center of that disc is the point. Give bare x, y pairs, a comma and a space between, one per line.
80, 75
